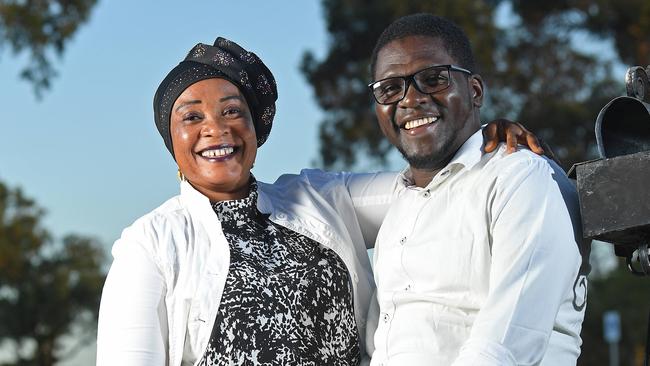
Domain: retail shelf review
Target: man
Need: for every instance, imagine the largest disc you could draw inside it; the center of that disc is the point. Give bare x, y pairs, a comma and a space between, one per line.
476, 261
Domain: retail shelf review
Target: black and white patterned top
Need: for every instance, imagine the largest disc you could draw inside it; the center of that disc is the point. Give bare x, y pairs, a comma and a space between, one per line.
287, 299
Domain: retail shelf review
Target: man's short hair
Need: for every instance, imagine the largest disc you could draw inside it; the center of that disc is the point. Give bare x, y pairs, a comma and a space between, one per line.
453, 38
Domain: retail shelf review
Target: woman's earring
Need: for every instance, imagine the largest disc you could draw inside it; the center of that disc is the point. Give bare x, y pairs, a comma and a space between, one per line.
180, 175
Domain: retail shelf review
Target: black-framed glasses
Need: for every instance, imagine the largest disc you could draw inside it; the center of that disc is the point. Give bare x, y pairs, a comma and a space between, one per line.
431, 80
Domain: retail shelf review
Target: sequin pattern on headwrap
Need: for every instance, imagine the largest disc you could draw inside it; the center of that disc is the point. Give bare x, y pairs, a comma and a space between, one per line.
225, 59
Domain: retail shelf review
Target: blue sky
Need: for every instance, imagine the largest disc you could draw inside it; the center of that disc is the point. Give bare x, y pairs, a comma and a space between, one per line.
89, 152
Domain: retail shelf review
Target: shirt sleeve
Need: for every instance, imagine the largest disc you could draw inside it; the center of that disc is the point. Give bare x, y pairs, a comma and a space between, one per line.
534, 261
132, 328
371, 195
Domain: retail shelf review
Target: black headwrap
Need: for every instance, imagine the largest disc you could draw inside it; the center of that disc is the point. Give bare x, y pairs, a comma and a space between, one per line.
227, 60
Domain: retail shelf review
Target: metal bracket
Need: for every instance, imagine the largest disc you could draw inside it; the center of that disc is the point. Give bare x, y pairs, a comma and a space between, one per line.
637, 83
642, 256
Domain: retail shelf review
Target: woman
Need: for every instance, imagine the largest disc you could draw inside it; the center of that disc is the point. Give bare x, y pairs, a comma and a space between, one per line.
235, 271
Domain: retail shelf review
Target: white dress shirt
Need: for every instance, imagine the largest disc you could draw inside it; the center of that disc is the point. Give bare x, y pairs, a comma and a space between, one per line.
164, 287
481, 266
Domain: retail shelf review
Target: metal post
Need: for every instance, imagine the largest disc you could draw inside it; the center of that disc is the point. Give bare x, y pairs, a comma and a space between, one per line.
646, 356
613, 354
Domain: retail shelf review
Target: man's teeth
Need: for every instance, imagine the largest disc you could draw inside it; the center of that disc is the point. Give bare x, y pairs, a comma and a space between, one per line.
217, 153
419, 122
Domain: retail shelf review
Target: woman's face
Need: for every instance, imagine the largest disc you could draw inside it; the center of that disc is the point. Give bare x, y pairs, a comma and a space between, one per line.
214, 138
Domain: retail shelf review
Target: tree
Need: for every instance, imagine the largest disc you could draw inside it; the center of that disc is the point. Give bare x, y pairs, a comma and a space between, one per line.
557, 94
625, 23
42, 28
544, 82
47, 288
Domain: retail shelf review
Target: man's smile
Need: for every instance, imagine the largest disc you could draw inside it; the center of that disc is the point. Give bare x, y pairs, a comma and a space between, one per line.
419, 122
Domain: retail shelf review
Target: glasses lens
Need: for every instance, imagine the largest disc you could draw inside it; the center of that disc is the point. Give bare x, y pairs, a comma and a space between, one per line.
389, 90
432, 80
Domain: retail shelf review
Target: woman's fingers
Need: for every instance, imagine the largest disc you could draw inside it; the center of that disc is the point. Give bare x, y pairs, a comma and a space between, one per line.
490, 137
512, 133
533, 143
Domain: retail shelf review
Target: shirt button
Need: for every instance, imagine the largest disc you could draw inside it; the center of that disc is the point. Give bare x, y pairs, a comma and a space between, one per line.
403, 240
426, 194
407, 288
386, 317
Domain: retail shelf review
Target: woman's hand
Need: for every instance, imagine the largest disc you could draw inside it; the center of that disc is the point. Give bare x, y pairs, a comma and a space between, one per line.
512, 133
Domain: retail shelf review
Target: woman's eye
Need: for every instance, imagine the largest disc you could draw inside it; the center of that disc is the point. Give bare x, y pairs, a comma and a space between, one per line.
192, 117
232, 111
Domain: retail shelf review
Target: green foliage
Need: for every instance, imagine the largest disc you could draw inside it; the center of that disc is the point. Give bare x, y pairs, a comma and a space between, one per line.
546, 84
47, 288
43, 28
626, 23
532, 71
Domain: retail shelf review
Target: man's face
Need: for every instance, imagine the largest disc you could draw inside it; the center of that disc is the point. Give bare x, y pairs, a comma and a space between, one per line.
427, 129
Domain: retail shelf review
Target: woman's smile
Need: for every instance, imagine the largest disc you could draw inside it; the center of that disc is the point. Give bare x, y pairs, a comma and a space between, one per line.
218, 153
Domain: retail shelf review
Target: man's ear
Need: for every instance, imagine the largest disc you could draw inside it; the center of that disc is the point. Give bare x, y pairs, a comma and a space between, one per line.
477, 90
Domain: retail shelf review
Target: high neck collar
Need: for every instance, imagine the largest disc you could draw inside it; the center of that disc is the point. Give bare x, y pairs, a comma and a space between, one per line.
239, 208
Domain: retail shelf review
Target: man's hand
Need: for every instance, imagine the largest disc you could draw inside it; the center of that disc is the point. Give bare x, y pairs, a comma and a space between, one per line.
512, 133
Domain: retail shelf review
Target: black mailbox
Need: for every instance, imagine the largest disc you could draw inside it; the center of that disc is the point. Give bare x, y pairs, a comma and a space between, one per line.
614, 191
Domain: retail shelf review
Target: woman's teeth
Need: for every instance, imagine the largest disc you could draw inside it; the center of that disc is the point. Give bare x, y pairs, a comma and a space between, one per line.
217, 153
419, 122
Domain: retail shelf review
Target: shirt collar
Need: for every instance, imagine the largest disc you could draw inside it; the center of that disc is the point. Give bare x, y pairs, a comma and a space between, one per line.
470, 152
468, 155
201, 205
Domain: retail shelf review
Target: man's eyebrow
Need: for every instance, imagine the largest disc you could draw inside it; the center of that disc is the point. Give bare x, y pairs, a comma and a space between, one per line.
189, 102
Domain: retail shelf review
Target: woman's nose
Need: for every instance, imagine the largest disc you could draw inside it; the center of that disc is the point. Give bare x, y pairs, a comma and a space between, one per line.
215, 126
